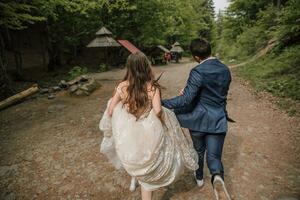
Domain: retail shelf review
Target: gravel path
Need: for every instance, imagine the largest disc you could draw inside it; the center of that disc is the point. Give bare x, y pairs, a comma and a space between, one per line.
49, 149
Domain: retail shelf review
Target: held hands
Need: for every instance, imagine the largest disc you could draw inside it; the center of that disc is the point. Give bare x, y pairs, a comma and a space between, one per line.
181, 92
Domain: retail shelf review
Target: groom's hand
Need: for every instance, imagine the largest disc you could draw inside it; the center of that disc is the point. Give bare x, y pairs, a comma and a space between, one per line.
181, 92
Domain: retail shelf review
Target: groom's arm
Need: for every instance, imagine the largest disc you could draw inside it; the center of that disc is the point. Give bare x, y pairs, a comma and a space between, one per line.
190, 92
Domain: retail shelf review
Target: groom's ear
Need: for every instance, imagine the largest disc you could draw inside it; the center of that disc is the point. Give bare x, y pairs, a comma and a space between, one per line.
198, 59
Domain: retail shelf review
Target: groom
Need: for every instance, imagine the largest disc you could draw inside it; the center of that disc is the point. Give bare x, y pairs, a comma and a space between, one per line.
201, 107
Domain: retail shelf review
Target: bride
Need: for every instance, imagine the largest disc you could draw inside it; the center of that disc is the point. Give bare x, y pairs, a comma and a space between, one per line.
140, 135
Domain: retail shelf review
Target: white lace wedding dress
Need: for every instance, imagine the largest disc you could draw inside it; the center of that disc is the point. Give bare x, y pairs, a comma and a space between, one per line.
154, 153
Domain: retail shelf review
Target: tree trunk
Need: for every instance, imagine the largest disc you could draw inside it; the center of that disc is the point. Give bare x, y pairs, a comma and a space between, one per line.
54, 56
54, 51
18, 56
5, 83
43, 41
19, 67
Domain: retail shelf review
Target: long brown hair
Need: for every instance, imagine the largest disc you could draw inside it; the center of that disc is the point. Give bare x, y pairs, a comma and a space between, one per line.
138, 74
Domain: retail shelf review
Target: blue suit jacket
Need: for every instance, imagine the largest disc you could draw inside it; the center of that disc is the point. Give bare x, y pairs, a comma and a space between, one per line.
202, 107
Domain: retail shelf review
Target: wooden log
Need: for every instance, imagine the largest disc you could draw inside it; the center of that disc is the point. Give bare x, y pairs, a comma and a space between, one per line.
18, 97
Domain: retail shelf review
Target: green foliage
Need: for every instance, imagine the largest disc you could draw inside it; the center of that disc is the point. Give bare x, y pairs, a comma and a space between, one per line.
247, 26
77, 71
277, 73
146, 23
69, 23
152, 22
103, 68
17, 15
289, 21
246, 11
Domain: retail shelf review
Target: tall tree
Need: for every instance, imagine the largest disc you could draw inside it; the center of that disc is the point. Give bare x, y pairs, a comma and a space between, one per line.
13, 16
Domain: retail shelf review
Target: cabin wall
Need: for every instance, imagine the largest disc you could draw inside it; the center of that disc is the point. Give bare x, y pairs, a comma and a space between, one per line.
93, 57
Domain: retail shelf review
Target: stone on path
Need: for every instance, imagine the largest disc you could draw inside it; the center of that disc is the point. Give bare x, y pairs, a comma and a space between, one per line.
54, 108
56, 88
51, 96
63, 84
44, 90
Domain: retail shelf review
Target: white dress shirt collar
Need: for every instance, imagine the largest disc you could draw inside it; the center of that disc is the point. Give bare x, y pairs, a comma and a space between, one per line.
209, 58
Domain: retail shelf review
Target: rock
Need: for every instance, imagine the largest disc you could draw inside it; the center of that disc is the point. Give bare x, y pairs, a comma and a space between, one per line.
82, 93
56, 88
84, 87
73, 88
63, 84
84, 78
51, 96
54, 108
74, 81
44, 90
77, 80
91, 85
50, 90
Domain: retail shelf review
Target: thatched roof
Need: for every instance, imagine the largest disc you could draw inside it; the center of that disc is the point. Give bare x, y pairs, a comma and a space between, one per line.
103, 31
163, 48
176, 44
177, 49
103, 41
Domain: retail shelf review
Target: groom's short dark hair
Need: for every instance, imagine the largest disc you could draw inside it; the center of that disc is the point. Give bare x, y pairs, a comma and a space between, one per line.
201, 48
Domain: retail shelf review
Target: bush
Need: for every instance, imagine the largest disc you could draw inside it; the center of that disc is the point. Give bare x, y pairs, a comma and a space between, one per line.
103, 68
289, 21
277, 73
77, 71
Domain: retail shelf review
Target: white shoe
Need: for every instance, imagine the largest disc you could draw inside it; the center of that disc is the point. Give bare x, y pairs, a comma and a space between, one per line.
219, 187
133, 184
200, 183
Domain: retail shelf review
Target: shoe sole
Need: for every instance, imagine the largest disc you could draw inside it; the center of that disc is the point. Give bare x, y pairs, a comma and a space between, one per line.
219, 188
200, 187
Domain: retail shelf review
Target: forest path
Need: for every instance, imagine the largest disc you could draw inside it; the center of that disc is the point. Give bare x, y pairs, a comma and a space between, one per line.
49, 149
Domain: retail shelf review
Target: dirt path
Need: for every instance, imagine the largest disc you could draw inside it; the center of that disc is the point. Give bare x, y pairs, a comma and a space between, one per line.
49, 149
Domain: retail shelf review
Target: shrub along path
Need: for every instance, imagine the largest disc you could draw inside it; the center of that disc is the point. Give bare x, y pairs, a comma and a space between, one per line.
49, 149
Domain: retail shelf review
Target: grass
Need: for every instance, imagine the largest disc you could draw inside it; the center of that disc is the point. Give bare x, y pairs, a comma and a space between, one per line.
278, 73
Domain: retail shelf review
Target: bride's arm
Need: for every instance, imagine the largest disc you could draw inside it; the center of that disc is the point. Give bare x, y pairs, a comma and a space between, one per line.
156, 103
114, 101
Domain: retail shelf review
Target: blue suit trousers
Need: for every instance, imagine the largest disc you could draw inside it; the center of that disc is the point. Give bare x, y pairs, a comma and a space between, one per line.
213, 145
